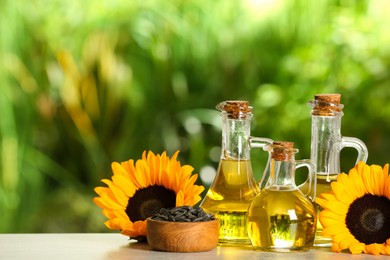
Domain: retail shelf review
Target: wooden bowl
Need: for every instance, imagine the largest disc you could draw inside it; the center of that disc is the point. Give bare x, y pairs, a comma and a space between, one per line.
182, 236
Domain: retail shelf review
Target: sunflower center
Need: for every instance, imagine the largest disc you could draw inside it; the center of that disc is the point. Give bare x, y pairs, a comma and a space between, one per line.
373, 219
368, 219
148, 201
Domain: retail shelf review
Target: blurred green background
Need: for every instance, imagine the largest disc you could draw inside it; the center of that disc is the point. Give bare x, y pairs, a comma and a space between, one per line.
85, 83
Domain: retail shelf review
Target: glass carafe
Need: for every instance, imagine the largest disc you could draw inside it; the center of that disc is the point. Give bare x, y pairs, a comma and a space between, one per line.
326, 144
281, 217
234, 185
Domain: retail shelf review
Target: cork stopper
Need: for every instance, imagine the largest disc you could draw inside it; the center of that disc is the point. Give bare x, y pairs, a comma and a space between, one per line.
326, 104
328, 98
282, 150
235, 108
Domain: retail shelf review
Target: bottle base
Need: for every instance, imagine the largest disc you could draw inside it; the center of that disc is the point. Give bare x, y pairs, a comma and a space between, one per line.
282, 249
323, 242
235, 242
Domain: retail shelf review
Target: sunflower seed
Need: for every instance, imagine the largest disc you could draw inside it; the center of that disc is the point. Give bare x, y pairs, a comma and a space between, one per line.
183, 214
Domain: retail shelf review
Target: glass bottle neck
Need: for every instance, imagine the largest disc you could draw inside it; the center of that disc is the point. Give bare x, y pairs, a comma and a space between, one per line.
325, 133
235, 138
281, 175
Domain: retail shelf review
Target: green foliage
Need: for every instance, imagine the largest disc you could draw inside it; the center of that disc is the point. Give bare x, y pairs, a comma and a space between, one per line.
85, 83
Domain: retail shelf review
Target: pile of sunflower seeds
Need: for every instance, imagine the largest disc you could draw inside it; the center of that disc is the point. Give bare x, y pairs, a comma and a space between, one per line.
183, 214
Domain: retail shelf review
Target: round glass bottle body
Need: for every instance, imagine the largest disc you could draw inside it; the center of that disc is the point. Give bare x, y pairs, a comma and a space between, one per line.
281, 218
234, 185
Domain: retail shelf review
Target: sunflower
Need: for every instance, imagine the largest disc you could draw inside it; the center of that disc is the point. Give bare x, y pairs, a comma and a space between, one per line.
138, 191
356, 213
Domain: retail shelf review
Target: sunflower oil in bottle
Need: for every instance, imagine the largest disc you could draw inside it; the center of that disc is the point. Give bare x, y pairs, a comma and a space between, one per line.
281, 218
326, 144
227, 204
234, 186
273, 230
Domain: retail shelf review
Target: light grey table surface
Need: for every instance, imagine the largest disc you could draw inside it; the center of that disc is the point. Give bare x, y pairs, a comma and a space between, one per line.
116, 246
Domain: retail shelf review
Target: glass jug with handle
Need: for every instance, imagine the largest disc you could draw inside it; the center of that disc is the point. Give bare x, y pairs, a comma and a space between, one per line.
281, 217
326, 144
234, 185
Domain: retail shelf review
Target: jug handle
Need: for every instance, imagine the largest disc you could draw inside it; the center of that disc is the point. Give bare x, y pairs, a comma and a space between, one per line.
308, 188
352, 142
260, 142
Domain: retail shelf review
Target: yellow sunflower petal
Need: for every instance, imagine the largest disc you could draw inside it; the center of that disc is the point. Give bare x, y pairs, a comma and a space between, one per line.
192, 200
115, 224
386, 181
386, 250
128, 230
347, 181
336, 206
325, 198
119, 195
343, 178
101, 190
144, 158
377, 179
357, 248
124, 184
327, 222
164, 178
109, 213
331, 214
180, 199
336, 247
329, 196
387, 188
386, 169
122, 215
174, 156
358, 188
140, 174
140, 227
357, 185
100, 202
132, 172
374, 249
118, 169
157, 170
190, 182
365, 174
320, 201
180, 180
362, 168
342, 192
108, 197
153, 168
337, 238
347, 242
195, 200
196, 189
335, 229
330, 218
386, 247
186, 171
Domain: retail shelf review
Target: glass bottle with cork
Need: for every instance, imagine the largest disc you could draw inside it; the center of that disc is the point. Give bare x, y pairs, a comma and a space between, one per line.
281, 217
326, 144
234, 185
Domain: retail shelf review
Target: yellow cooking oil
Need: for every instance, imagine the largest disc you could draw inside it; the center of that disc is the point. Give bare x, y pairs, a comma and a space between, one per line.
323, 185
281, 221
228, 199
